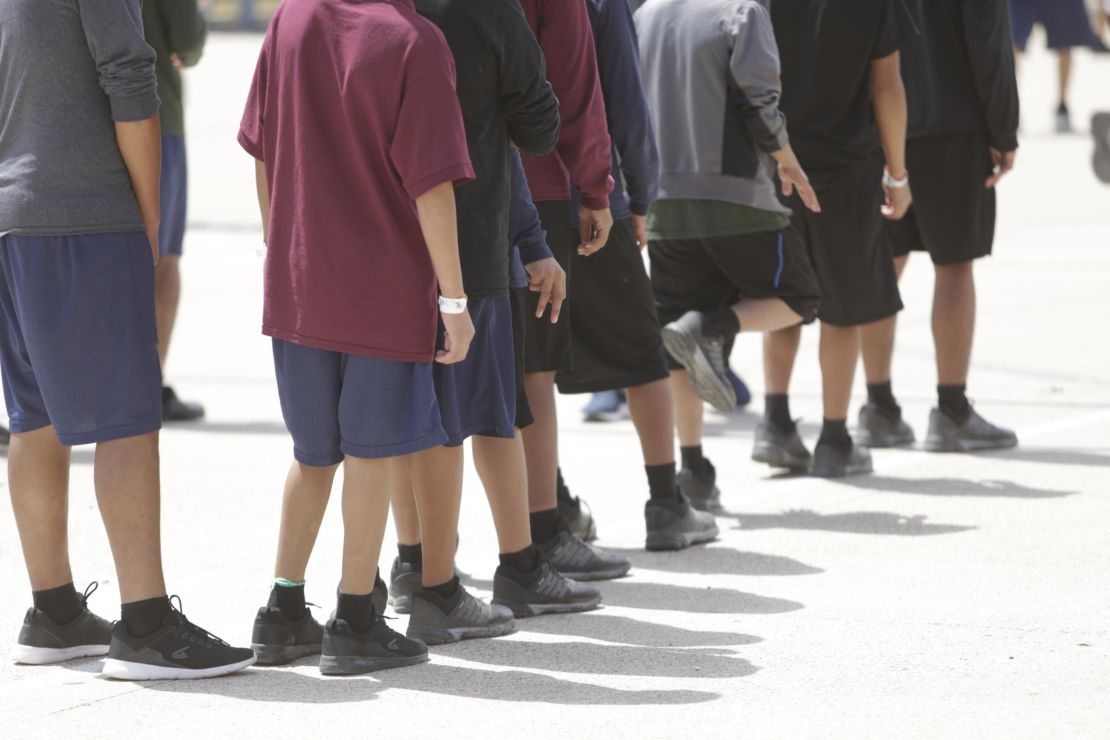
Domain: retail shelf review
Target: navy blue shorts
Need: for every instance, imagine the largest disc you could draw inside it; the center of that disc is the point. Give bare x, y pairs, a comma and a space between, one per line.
1065, 22
337, 404
478, 395
78, 340
175, 187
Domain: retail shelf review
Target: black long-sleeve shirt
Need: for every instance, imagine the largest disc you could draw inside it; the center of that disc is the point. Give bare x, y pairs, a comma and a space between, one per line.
504, 95
959, 72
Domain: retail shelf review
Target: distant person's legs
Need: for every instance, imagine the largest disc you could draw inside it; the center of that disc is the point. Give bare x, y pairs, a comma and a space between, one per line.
880, 419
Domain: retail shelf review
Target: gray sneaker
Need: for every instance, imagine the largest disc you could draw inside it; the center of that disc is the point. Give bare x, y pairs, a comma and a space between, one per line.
700, 487
470, 619
404, 581
42, 641
575, 559
830, 461
579, 518
676, 525
973, 435
704, 359
877, 429
548, 592
781, 449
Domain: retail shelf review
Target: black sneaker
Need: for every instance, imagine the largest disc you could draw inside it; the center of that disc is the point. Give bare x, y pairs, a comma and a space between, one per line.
42, 641
1100, 160
347, 652
278, 640
879, 427
581, 562
174, 409
548, 592
579, 518
1063, 119
781, 448
180, 649
404, 581
833, 461
703, 356
379, 597
974, 435
5, 436
466, 618
676, 525
699, 485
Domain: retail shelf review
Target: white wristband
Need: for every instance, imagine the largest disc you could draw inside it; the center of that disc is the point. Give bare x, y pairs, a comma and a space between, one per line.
893, 184
452, 306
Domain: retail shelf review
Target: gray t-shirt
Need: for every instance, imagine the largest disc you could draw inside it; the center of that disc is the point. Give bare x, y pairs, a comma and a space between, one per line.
68, 70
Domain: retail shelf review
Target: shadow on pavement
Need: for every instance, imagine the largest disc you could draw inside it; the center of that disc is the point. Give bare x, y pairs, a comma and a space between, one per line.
857, 522
278, 685
951, 487
612, 628
722, 560
616, 660
1053, 456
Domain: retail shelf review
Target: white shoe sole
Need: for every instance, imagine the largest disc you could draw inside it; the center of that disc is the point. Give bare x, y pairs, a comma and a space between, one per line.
28, 655
127, 671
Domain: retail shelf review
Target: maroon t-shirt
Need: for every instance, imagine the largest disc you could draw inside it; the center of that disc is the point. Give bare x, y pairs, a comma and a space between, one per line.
353, 110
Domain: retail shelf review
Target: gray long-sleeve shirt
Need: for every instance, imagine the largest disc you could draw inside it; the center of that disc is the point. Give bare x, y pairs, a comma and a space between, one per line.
68, 70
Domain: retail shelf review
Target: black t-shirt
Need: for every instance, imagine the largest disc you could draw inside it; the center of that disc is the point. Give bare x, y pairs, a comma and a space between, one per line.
826, 48
504, 95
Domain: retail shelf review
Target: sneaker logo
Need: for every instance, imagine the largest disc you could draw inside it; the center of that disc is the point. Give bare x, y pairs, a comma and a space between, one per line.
181, 654
393, 646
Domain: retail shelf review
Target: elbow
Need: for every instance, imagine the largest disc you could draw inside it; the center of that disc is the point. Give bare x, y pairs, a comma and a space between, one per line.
536, 140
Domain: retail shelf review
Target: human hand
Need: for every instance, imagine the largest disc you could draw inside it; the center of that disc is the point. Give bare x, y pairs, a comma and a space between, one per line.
458, 332
548, 279
1003, 162
794, 178
152, 237
896, 201
594, 228
640, 224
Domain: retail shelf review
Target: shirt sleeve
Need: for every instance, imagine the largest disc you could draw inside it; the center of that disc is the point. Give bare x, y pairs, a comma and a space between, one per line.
525, 230
252, 126
584, 145
618, 62
990, 48
895, 26
187, 29
755, 69
429, 142
529, 104
124, 61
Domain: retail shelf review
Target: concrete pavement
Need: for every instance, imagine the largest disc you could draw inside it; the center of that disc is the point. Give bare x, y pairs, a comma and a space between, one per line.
945, 596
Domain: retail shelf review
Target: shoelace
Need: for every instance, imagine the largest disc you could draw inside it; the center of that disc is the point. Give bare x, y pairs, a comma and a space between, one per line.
190, 631
89, 591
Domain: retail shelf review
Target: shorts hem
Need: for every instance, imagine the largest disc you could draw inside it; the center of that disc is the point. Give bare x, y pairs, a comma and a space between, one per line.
867, 319
495, 430
612, 383
109, 435
317, 461
428, 441
32, 425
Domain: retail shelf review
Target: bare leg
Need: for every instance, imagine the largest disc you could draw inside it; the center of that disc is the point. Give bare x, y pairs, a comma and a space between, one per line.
954, 321
877, 340
1064, 67
402, 498
437, 481
501, 466
38, 478
365, 510
689, 410
128, 492
307, 491
541, 441
167, 297
764, 314
780, 350
652, 410
840, 347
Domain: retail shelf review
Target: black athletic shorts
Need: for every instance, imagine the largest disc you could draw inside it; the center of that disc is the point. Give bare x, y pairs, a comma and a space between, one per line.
547, 345
524, 416
711, 273
953, 214
850, 250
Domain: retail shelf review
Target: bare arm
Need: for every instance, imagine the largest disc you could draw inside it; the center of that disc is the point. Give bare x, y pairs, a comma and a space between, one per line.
140, 144
888, 96
436, 209
262, 185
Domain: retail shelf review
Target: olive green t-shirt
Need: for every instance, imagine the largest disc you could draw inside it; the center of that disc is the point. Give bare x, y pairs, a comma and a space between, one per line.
688, 218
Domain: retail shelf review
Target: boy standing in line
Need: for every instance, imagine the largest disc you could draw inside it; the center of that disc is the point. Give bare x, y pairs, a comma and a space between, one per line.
353, 121
844, 100
176, 30
963, 105
79, 225
723, 255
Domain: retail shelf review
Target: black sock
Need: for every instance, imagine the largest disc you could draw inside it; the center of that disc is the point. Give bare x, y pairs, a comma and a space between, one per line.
356, 610
776, 410
545, 525
562, 493
692, 457
953, 402
411, 555
882, 395
661, 481
521, 564
61, 604
289, 599
445, 596
721, 323
835, 432
145, 617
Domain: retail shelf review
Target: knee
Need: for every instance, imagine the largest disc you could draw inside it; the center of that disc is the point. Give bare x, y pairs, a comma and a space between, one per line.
955, 274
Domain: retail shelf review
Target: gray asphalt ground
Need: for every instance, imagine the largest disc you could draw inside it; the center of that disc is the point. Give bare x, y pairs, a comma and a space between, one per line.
945, 596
